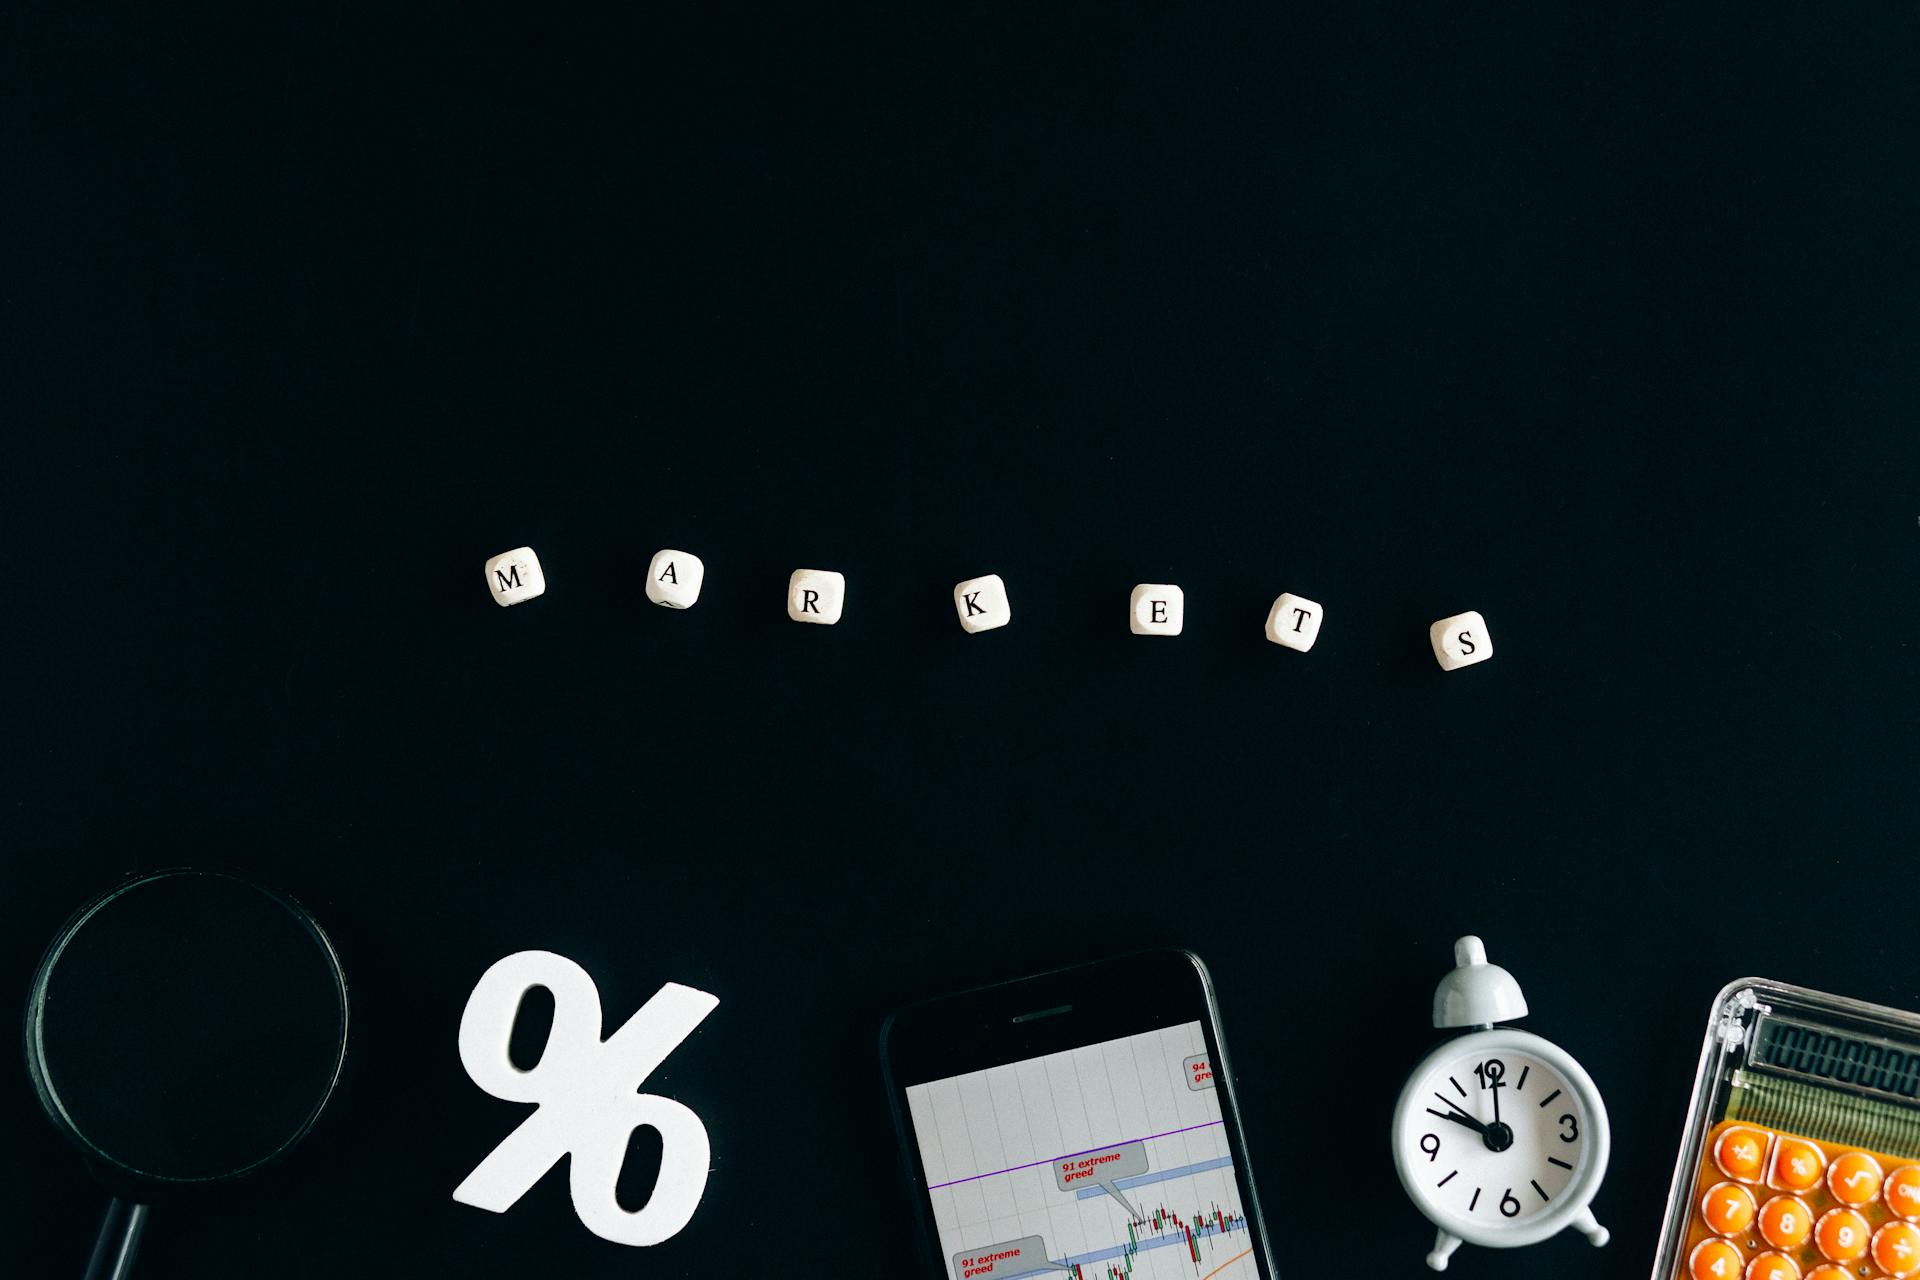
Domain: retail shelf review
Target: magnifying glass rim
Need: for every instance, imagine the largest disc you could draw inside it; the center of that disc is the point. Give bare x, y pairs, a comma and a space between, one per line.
34, 1033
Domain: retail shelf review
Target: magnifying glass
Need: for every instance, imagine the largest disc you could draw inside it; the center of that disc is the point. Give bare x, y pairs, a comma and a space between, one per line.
184, 1029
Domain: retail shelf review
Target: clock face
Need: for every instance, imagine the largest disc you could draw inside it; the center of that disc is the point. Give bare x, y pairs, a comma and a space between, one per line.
1493, 1137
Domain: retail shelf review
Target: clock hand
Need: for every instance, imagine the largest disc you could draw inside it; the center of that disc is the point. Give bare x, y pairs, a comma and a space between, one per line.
1457, 1115
1459, 1119
1497, 1082
1497, 1136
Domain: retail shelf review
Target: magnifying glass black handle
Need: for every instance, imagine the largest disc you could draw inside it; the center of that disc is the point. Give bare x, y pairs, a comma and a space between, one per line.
118, 1241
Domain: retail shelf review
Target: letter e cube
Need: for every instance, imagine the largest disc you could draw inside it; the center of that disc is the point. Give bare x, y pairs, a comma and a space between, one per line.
1157, 609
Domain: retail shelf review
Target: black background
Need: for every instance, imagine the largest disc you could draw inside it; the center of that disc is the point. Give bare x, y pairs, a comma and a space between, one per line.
1604, 324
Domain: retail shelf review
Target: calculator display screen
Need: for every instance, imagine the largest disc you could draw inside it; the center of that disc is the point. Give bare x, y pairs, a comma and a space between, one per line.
1819, 1053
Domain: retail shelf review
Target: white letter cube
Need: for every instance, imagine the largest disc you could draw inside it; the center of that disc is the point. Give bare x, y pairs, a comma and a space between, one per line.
816, 595
1157, 609
1294, 621
674, 578
1460, 641
982, 603
514, 576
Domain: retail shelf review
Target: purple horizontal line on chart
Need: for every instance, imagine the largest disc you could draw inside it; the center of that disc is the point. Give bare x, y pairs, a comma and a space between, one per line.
1067, 1155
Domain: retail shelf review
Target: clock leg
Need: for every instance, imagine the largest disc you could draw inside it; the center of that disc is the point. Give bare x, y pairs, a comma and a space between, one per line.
1443, 1246
1587, 1225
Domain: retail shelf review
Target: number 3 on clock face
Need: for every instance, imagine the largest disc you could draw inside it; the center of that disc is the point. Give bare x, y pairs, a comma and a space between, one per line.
1500, 1137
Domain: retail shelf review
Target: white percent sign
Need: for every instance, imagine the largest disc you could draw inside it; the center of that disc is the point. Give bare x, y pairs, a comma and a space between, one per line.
587, 1091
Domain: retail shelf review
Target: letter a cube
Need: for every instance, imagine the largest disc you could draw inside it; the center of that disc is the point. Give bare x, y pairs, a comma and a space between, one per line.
674, 578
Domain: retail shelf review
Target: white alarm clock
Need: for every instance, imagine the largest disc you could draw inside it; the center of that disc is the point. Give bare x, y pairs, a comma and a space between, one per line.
1500, 1137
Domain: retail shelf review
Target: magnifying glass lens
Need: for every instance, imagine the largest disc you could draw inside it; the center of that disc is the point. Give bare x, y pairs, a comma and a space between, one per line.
187, 1027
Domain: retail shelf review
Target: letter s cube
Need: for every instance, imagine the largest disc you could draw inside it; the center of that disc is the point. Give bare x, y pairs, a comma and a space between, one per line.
1460, 641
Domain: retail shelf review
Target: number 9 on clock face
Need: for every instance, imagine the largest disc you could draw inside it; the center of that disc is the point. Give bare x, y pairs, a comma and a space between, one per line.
1500, 1137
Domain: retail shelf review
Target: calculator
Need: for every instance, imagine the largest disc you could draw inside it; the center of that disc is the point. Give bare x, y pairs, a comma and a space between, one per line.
1802, 1151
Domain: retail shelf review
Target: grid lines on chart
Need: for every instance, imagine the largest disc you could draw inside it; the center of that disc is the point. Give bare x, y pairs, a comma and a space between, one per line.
990, 1143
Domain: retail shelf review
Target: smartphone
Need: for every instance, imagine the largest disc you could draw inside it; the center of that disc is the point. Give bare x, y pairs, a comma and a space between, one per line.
1077, 1124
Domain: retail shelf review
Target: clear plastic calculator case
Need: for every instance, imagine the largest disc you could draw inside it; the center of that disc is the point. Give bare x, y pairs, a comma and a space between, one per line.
1801, 1159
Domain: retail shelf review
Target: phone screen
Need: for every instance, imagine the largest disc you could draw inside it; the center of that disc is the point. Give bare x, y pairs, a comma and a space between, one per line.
1109, 1161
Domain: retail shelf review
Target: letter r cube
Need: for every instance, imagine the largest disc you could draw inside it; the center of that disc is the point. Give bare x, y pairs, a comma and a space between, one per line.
816, 595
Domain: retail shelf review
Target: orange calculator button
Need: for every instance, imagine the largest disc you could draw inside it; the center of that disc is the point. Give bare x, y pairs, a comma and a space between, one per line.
1741, 1153
1714, 1260
1903, 1191
1773, 1266
1797, 1165
1854, 1178
1896, 1248
1728, 1208
1785, 1222
1828, 1271
1842, 1235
